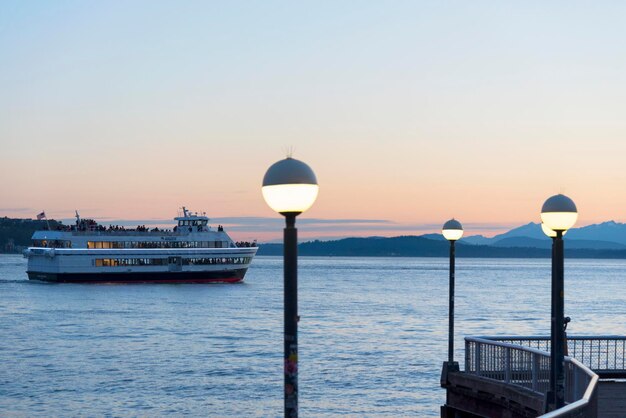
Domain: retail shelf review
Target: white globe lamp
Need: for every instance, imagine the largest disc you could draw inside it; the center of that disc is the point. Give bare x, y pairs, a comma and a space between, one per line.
290, 186
452, 230
559, 213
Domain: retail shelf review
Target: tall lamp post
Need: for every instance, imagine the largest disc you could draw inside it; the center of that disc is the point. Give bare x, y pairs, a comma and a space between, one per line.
290, 187
550, 394
452, 231
558, 214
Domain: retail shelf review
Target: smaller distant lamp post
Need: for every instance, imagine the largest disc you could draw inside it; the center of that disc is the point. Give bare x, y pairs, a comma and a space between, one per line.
452, 231
558, 214
550, 395
290, 187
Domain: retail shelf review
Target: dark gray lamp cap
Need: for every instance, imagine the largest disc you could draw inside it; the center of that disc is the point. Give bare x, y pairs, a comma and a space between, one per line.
559, 203
289, 171
452, 224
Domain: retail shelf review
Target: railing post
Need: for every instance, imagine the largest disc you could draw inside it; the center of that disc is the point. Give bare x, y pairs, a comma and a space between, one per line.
535, 371
591, 355
477, 358
576, 385
507, 365
615, 355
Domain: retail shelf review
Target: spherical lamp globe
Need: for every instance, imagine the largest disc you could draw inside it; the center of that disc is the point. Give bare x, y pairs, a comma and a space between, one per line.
289, 186
452, 230
559, 213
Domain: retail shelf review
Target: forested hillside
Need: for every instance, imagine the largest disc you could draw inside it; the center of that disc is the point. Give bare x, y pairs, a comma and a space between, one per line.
15, 233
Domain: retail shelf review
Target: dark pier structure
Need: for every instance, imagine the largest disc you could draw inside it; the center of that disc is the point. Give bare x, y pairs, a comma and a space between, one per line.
509, 377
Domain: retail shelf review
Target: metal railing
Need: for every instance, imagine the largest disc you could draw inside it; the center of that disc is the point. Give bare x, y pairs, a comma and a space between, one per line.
126, 232
605, 355
529, 367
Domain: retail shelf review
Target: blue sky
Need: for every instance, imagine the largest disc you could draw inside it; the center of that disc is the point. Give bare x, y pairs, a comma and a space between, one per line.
408, 111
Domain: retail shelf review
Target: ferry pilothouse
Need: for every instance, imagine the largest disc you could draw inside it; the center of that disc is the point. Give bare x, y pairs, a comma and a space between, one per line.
191, 252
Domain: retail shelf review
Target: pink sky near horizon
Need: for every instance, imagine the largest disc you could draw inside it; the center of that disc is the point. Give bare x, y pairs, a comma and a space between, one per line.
410, 113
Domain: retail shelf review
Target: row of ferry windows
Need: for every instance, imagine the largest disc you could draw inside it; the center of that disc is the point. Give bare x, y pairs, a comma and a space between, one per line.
157, 244
116, 262
192, 223
213, 260
52, 243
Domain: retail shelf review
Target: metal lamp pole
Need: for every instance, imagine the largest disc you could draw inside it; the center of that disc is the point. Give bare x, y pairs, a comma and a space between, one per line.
451, 307
558, 323
291, 315
550, 401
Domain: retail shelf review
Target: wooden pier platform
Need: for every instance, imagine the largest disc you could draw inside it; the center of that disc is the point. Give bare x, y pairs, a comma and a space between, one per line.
612, 398
508, 377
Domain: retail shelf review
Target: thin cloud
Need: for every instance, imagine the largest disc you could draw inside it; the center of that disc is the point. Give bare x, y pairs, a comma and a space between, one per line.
258, 219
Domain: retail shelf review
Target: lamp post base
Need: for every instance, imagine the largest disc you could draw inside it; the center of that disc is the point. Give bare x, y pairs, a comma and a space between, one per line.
549, 401
448, 367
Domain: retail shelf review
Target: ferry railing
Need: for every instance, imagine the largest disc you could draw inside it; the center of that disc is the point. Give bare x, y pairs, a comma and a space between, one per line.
126, 232
529, 367
605, 355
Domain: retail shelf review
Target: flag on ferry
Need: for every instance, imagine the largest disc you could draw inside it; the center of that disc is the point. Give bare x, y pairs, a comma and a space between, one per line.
41, 216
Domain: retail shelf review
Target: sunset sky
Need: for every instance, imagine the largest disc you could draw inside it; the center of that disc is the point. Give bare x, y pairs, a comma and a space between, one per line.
409, 112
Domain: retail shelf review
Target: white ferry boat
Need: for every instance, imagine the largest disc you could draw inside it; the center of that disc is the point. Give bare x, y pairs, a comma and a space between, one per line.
191, 252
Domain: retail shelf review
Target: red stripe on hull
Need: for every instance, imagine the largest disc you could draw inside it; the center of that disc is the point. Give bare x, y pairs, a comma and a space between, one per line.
135, 277
181, 281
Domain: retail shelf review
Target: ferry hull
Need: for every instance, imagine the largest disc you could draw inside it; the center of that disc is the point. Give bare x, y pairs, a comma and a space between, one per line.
230, 276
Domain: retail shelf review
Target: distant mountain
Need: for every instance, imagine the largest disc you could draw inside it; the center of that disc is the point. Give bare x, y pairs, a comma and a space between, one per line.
525, 242
610, 231
607, 235
530, 230
436, 237
476, 240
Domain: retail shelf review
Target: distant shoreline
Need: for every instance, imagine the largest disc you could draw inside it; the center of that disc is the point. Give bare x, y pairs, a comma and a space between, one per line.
413, 246
504, 257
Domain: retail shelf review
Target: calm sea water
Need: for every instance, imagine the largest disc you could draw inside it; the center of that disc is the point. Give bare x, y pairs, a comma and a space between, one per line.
373, 335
